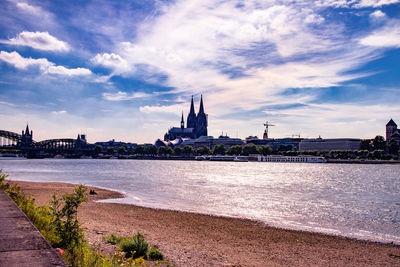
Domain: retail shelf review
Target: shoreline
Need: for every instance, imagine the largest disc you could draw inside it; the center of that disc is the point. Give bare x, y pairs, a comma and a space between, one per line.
193, 239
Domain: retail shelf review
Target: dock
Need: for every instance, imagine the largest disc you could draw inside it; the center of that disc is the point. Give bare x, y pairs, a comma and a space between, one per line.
21, 244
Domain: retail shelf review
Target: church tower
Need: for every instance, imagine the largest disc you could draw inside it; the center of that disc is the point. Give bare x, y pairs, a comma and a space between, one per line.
182, 122
27, 137
391, 128
201, 129
191, 119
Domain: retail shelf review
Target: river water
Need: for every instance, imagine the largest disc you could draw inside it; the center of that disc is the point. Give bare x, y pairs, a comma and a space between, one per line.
354, 200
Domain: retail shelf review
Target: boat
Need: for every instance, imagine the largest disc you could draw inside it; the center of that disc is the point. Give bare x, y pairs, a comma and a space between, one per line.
298, 159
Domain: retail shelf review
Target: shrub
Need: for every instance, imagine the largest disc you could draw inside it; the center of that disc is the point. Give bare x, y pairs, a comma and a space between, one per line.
155, 254
135, 247
113, 239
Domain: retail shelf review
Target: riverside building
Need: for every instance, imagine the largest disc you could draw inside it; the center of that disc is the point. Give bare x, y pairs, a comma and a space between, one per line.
320, 144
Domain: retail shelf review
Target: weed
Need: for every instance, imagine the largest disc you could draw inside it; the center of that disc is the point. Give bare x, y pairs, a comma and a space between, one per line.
135, 247
155, 254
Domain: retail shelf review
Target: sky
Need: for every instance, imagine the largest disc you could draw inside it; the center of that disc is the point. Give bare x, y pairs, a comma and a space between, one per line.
126, 70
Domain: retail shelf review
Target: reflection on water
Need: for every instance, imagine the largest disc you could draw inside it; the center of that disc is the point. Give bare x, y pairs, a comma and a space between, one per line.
360, 201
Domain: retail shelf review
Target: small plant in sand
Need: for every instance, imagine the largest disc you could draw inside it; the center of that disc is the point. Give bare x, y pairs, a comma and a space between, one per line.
135, 247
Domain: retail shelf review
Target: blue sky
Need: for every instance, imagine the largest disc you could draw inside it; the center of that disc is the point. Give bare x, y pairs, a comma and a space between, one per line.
127, 69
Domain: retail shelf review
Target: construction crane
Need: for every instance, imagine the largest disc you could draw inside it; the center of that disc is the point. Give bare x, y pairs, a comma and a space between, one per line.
267, 124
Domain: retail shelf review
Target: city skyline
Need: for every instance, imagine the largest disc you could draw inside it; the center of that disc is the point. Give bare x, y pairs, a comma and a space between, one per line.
127, 70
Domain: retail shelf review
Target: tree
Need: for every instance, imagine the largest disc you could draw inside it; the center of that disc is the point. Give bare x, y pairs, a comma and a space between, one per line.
98, 149
165, 150
378, 154
235, 150
250, 149
178, 150
188, 150
219, 149
150, 150
265, 150
110, 150
122, 150
379, 142
366, 145
139, 150
205, 150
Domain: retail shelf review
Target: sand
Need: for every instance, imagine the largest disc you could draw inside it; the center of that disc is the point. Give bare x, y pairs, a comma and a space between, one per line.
189, 239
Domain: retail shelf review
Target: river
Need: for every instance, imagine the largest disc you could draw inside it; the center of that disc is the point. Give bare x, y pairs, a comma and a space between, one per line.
353, 200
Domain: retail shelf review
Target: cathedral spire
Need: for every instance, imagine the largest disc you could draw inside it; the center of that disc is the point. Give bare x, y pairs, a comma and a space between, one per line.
27, 129
191, 119
192, 107
201, 109
182, 122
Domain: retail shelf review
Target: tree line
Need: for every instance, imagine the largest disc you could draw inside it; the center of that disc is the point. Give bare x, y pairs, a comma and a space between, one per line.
369, 149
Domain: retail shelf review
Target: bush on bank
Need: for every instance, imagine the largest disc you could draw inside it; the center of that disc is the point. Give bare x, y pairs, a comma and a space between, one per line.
58, 224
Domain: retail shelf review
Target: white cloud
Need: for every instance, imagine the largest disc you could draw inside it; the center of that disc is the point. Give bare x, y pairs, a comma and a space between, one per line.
388, 36
377, 14
38, 40
20, 62
355, 3
60, 70
47, 67
34, 10
121, 96
61, 112
375, 3
173, 109
111, 61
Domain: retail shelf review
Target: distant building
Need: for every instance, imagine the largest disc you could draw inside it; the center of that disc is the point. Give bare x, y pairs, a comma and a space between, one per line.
196, 125
275, 143
392, 133
320, 144
210, 141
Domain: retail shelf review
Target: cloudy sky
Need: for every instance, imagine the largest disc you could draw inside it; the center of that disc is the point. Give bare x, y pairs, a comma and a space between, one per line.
127, 69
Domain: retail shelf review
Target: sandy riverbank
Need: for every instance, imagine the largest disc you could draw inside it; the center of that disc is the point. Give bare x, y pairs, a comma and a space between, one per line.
189, 239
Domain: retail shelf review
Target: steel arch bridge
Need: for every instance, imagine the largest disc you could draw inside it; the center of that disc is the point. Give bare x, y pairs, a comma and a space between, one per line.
9, 139
63, 144
14, 140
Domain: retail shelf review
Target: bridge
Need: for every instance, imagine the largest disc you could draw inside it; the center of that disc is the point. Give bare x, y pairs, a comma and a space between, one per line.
9, 139
24, 142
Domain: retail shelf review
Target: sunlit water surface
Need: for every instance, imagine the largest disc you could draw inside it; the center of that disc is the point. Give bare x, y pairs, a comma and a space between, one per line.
361, 201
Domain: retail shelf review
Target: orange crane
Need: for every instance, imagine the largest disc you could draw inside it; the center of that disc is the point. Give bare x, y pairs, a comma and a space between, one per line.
267, 124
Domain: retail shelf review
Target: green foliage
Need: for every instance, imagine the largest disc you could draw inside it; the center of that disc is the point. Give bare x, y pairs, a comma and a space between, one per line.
135, 247
265, 150
178, 151
122, 150
113, 239
111, 151
155, 254
150, 150
250, 149
366, 145
60, 228
139, 150
379, 143
204, 150
98, 149
165, 150
66, 222
188, 150
235, 150
219, 150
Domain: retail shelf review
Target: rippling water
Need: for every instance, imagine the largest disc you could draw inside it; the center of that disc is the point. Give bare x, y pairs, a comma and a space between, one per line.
361, 201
